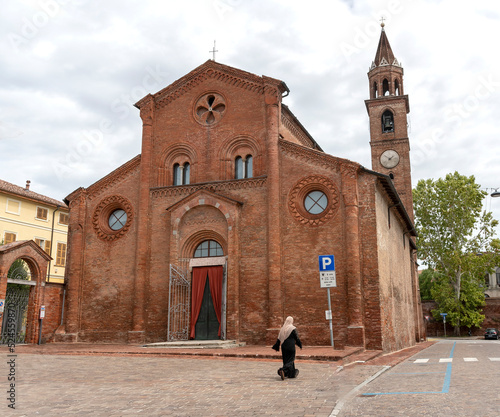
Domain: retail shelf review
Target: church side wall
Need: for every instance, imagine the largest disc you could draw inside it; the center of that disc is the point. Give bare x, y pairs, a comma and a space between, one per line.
397, 318
369, 262
302, 243
107, 289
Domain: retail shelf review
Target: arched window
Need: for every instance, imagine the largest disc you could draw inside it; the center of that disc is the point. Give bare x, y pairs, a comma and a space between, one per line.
208, 248
396, 87
177, 175
385, 87
387, 122
375, 90
243, 168
182, 174
185, 173
238, 167
249, 167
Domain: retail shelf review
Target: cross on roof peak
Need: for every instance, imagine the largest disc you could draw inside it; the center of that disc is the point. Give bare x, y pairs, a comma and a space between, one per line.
213, 51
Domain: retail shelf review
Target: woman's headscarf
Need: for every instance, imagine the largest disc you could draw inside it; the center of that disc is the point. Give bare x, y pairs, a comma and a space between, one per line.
287, 328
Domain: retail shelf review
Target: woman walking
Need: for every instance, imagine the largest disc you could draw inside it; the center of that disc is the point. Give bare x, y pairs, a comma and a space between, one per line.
288, 338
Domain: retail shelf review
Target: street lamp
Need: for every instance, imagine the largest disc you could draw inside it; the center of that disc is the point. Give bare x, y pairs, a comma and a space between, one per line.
495, 193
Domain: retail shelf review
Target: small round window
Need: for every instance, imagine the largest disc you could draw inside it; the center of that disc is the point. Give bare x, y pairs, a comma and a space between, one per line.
117, 219
316, 202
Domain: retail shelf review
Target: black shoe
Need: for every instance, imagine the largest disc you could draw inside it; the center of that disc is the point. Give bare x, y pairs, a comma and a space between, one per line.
282, 374
296, 373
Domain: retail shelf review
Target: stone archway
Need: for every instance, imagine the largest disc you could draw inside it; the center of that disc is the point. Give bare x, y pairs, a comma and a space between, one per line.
37, 260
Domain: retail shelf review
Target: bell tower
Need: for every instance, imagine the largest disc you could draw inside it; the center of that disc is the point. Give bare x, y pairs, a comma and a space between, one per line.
387, 109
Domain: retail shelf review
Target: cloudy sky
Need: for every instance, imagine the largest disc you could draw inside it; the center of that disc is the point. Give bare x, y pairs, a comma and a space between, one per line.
71, 71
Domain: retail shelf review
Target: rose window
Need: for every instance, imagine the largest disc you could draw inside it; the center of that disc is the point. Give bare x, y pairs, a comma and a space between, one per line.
209, 109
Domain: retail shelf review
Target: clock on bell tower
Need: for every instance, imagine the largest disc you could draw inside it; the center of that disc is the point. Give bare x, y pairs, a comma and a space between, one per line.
387, 109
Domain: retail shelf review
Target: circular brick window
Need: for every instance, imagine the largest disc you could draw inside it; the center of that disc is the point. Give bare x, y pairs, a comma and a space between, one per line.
209, 109
112, 217
316, 202
117, 219
313, 200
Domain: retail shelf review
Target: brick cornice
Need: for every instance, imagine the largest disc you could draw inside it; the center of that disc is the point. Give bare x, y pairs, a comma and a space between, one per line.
289, 124
318, 158
115, 176
169, 191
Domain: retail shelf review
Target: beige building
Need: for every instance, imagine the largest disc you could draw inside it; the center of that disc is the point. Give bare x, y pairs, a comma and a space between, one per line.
26, 215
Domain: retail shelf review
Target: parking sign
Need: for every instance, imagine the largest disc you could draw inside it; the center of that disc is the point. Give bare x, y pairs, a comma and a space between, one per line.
327, 271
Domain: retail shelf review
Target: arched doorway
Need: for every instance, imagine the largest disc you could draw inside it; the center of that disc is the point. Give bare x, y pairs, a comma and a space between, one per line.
23, 268
207, 295
14, 323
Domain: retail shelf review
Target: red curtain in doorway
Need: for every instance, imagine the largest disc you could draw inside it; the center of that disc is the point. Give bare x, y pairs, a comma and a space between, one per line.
215, 280
197, 289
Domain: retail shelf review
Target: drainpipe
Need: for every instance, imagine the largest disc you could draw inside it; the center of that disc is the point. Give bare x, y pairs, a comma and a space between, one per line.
48, 272
52, 238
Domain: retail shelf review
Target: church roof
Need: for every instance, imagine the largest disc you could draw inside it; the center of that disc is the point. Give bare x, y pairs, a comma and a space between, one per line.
384, 55
212, 69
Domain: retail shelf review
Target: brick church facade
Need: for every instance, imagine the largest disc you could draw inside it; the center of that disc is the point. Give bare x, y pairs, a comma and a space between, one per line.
214, 230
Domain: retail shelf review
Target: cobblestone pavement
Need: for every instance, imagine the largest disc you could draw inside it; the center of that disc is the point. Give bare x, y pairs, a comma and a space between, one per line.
53, 385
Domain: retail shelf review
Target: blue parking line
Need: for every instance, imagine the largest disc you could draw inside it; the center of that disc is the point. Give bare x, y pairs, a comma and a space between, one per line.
447, 378
446, 383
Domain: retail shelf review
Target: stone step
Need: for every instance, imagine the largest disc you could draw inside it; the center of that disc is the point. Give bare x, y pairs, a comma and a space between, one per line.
197, 344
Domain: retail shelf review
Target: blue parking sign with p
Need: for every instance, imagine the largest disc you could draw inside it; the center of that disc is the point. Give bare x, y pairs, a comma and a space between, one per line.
327, 274
326, 263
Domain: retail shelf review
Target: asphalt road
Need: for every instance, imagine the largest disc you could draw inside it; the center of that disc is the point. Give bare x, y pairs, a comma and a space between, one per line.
451, 378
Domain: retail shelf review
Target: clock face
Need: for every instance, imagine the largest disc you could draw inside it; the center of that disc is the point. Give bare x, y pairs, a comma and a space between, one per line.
389, 159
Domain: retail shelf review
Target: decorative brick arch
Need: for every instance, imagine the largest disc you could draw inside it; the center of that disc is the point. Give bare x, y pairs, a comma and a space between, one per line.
226, 206
241, 145
179, 153
37, 260
195, 239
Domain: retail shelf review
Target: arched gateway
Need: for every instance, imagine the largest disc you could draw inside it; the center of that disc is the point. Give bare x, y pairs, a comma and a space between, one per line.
22, 295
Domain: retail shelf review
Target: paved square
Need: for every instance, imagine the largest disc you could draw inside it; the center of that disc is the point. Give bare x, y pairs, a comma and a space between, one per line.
125, 385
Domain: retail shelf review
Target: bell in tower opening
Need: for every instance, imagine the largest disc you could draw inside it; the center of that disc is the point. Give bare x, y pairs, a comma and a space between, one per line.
387, 122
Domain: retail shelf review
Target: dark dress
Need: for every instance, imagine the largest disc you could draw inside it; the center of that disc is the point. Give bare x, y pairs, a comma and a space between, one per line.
288, 354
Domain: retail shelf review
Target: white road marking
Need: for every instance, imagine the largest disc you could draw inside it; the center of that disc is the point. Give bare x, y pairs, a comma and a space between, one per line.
446, 360
470, 359
421, 361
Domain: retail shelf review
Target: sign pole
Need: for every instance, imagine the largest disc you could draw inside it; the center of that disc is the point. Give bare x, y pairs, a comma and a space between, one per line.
327, 278
330, 319
444, 322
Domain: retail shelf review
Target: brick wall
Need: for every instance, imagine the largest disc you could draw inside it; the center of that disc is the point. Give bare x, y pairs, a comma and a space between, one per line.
52, 299
436, 327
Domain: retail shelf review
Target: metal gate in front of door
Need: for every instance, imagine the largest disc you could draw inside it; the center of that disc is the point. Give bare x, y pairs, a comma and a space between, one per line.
178, 304
15, 314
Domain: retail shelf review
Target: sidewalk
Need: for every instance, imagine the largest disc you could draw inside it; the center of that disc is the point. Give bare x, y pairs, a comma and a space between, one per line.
349, 355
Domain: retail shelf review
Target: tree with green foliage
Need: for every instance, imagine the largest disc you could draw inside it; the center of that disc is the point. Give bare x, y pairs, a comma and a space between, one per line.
456, 240
426, 280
